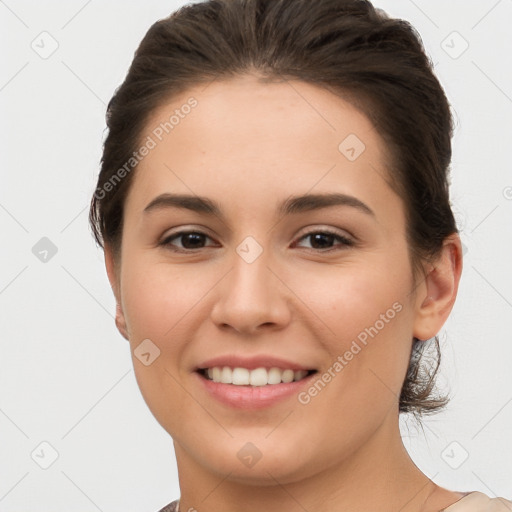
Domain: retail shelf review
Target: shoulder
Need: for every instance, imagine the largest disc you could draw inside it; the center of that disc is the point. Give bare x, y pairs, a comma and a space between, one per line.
479, 502
172, 507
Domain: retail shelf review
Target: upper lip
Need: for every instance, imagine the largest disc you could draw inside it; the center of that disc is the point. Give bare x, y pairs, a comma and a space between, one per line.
259, 361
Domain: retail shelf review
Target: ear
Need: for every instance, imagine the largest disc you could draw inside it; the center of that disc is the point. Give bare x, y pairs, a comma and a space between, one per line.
437, 295
113, 277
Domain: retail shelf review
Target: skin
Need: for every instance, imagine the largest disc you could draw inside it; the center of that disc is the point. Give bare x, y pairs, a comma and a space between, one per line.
249, 146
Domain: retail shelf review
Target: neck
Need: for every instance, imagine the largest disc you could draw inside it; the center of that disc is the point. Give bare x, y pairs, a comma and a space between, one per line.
378, 476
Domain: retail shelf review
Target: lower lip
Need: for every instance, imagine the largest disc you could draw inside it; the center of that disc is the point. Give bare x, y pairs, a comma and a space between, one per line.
252, 397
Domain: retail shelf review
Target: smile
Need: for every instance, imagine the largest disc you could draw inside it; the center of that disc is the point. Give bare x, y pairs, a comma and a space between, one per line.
257, 377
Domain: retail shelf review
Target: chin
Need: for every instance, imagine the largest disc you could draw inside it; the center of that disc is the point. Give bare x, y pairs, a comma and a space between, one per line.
256, 463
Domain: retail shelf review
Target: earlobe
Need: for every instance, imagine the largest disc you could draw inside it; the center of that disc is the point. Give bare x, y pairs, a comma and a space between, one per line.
112, 271
121, 322
440, 290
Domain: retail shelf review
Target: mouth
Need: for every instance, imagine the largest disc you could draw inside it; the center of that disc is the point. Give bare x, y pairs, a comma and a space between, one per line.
257, 377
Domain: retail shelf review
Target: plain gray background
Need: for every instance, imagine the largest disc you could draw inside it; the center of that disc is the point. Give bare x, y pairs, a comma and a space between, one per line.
66, 376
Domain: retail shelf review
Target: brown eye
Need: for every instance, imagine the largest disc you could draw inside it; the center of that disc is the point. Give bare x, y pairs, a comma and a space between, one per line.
189, 240
325, 240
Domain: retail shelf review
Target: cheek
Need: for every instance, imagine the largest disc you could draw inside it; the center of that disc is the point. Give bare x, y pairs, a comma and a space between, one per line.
345, 300
157, 298
160, 303
366, 319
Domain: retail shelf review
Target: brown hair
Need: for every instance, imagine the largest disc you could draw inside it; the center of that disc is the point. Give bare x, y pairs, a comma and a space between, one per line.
346, 46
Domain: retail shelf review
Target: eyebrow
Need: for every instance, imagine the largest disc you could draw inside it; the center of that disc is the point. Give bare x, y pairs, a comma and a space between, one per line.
292, 205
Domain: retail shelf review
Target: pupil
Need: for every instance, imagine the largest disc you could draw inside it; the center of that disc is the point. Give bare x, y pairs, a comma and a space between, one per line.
196, 238
325, 236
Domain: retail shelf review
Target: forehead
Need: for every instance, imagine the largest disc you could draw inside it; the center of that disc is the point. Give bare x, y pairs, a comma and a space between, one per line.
251, 138
285, 113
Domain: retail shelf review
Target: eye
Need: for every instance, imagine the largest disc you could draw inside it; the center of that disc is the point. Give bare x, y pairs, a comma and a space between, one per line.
189, 240
324, 240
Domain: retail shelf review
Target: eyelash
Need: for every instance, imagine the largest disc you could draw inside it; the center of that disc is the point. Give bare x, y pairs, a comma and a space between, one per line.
345, 242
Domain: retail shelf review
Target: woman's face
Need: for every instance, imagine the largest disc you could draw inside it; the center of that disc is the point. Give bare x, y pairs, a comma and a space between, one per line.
320, 284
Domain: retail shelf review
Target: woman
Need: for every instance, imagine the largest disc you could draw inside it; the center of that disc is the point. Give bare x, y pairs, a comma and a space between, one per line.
273, 205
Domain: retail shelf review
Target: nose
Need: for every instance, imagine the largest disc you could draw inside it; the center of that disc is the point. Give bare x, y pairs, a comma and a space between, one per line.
251, 298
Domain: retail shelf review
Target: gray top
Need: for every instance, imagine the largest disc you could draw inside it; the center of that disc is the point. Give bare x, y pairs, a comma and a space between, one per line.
172, 507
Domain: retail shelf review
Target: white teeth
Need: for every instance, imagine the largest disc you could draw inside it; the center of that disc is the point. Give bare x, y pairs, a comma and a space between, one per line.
299, 374
274, 376
257, 377
226, 375
287, 376
240, 376
216, 374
